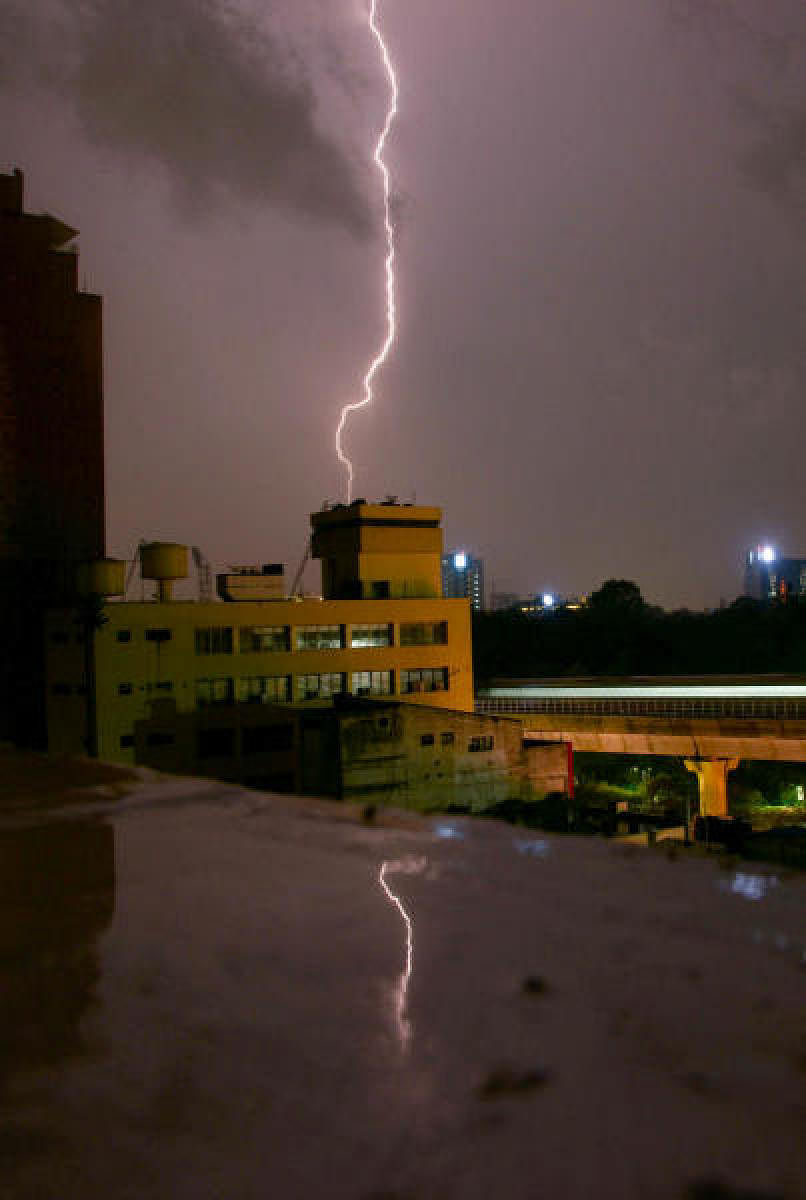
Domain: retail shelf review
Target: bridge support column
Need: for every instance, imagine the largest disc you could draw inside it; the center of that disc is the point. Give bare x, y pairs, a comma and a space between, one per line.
712, 783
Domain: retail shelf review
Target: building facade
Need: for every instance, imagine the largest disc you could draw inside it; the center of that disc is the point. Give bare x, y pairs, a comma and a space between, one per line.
463, 575
361, 750
191, 658
768, 576
51, 443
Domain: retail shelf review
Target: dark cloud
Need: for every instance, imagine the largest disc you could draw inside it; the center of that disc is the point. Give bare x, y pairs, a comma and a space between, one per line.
771, 38
223, 108
776, 162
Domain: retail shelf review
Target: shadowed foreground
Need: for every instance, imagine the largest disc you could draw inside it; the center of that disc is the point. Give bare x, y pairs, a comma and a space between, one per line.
202, 997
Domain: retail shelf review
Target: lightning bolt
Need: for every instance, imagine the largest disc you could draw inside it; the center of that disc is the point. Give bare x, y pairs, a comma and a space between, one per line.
411, 866
391, 313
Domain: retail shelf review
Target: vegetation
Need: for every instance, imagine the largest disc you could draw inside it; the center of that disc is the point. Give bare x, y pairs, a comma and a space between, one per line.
618, 633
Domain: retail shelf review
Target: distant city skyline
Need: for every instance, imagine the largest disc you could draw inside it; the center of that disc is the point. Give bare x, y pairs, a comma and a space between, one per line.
602, 257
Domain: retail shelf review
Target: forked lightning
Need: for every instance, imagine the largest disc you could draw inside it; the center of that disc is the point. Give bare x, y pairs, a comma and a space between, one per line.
391, 315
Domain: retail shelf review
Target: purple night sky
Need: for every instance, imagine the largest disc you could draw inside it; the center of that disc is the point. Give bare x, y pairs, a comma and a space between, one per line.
601, 363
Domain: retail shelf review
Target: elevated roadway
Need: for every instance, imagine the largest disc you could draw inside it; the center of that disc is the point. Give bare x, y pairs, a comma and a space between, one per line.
712, 724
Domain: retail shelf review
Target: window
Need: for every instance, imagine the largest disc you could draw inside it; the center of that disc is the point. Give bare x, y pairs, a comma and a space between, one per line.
215, 743
158, 635
320, 687
61, 689
380, 589
264, 689
263, 739
424, 679
124, 635
125, 689
371, 683
424, 633
426, 739
446, 739
160, 739
480, 745
164, 685
264, 637
370, 635
126, 740
60, 639
214, 639
213, 691
320, 637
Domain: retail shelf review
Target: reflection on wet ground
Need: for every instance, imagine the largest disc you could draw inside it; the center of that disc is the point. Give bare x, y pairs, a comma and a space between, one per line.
57, 895
203, 998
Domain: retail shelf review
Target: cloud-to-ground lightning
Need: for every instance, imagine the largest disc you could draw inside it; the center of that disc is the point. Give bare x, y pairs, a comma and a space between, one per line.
409, 866
391, 314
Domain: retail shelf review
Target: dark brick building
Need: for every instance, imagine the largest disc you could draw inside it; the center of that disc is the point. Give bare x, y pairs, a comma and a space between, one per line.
51, 443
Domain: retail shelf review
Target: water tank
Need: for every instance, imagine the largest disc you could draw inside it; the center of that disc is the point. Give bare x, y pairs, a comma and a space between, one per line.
103, 577
165, 562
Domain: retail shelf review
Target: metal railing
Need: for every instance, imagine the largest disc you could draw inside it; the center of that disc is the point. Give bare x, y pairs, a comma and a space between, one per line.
680, 709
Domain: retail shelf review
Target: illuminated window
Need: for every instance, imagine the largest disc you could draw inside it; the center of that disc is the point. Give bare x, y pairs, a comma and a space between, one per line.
370, 635
264, 689
320, 687
371, 683
214, 639
213, 691
320, 637
424, 633
424, 679
265, 638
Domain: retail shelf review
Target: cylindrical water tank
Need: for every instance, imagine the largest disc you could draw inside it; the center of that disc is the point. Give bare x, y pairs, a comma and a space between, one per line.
103, 577
165, 562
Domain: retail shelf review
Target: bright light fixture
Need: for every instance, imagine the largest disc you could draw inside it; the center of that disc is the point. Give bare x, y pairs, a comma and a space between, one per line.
766, 554
460, 560
548, 600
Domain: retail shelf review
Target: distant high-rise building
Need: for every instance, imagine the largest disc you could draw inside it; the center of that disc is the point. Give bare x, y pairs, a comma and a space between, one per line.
51, 442
463, 575
769, 576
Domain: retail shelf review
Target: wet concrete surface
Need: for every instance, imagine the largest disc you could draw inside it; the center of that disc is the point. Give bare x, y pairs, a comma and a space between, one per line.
205, 994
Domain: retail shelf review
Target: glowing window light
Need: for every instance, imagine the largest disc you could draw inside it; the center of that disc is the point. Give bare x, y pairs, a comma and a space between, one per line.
548, 600
460, 560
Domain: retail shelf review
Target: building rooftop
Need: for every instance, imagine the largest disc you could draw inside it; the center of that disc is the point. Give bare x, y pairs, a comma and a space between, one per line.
209, 990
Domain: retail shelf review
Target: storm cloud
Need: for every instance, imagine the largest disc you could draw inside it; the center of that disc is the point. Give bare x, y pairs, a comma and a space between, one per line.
222, 107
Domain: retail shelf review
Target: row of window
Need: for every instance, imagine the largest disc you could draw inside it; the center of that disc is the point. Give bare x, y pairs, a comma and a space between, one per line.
267, 739
277, 689
221, 743
475, 745
220, 639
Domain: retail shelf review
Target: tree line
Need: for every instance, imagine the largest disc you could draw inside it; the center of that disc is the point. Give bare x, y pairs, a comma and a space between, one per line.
618, 633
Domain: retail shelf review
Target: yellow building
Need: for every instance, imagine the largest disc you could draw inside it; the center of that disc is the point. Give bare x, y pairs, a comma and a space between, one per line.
406, 642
